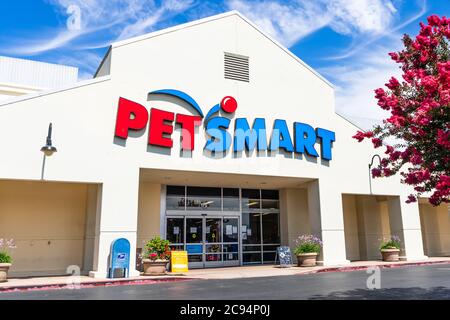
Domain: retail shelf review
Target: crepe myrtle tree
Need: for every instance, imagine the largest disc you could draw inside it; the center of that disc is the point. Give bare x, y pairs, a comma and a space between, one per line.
420, 113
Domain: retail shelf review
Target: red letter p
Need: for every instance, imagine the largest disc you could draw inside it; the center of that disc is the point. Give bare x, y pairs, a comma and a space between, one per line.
130, 115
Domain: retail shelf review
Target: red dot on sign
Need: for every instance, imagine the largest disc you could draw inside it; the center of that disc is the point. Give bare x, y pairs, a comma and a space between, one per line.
228, 104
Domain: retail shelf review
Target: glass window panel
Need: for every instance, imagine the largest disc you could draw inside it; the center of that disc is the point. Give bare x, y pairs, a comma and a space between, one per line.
251, 257
199, 198
230, 248
177, 247
270, 248
251, 248
230, 230
231, 204
269, 257
270, 204
203, 192
175, 230
195, 258
250, 193
213, 248
231, 199
231, 192
230, 256
175, 202
213, 257
252, 227
213, 229
270, 194
175, 191
270, 223
250, 199
194, 230
194, 248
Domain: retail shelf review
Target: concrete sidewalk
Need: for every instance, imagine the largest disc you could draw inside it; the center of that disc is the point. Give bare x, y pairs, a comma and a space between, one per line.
68, 282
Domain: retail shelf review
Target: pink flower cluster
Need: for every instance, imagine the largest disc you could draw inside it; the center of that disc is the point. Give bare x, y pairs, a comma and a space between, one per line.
420, 113
7, 244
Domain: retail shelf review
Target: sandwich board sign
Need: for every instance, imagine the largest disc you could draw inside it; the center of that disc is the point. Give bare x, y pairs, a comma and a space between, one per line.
179, 261
284, 256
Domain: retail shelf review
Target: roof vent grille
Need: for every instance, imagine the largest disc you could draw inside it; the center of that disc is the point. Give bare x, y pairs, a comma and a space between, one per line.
236, 67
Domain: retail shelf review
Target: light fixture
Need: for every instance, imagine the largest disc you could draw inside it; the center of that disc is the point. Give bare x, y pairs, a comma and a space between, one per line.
252, 203
370, 170
49, 149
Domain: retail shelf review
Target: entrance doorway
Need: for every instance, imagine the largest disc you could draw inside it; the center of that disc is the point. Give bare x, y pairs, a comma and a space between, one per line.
210, 241
223, 226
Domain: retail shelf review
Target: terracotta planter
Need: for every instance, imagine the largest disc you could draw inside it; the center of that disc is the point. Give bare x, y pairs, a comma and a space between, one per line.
154, 267
4, 268
390, 255
307, 259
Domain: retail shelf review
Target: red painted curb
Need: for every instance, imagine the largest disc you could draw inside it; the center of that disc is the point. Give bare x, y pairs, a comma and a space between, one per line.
90, 285
381, 266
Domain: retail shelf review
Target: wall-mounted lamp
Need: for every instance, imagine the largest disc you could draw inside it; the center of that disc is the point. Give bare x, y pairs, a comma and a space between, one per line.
49, 149
370, 170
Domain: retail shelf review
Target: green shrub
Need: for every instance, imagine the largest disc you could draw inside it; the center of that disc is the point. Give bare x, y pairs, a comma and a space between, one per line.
393, 243
308, 244
157, 248
5, 246
5, 257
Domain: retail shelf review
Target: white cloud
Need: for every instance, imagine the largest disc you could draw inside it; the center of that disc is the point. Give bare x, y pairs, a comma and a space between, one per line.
361, 16
167, 10
355, 84
118, 18
291, 21
359, 45
286, 22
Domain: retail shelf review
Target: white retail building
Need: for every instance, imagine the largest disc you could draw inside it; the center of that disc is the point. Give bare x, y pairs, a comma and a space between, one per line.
126, 165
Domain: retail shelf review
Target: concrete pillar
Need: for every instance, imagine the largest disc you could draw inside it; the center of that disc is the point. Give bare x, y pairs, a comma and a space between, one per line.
327, 220
117, 219
404, 221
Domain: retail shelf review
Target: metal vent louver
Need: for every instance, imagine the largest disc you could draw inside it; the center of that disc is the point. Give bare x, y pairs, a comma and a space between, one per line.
236, 67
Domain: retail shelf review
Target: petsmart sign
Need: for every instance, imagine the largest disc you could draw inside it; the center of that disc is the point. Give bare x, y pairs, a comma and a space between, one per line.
216, 123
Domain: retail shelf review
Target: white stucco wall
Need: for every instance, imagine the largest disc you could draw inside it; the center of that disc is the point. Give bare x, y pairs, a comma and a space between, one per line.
47, 222
435, 229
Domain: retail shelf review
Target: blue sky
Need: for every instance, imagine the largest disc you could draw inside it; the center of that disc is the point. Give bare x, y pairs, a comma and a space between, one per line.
347, 41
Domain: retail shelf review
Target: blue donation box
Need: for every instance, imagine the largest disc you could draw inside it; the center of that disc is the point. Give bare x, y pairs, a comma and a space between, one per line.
119, 258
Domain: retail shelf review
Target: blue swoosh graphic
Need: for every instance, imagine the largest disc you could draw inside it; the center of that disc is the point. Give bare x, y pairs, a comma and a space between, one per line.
213, 110
180, 95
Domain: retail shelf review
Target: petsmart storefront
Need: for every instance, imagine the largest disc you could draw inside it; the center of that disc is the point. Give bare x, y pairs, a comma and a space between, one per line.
209, 134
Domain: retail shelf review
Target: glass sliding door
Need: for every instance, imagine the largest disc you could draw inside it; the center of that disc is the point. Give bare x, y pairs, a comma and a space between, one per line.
209, 241
175, 232
213, 241
194, 241
230, 241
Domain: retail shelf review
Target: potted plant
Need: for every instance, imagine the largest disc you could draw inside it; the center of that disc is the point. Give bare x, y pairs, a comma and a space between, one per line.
156, 256
390, 249
307, 249
5, 258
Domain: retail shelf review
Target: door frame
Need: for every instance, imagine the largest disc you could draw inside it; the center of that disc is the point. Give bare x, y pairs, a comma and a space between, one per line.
204, 215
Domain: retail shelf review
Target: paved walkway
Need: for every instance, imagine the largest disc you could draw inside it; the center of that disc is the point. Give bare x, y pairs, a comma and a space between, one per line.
60, 282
